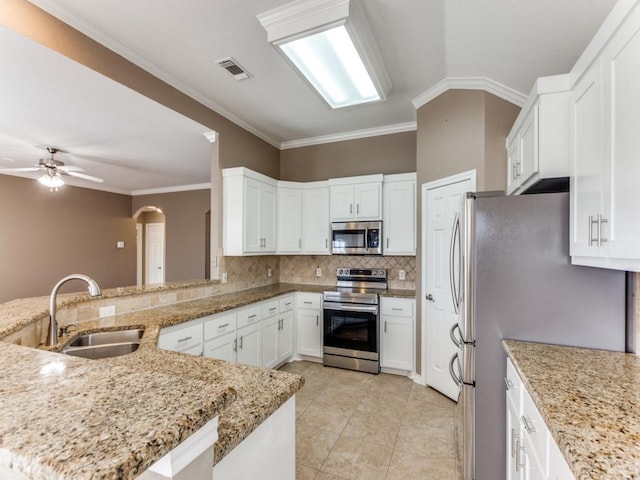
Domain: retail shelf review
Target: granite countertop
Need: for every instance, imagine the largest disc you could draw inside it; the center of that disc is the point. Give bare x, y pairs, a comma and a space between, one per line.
397, 293
150, 384
590, 400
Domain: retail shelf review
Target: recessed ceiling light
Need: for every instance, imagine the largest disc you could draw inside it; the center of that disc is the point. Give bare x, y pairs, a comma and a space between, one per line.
330, 44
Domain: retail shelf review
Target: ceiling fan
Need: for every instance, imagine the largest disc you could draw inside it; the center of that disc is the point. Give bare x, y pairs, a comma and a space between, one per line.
53, 170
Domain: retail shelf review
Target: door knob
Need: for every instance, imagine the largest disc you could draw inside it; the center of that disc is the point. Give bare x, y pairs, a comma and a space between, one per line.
430, 298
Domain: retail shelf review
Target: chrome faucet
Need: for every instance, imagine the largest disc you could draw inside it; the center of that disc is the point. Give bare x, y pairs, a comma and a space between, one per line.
94, 291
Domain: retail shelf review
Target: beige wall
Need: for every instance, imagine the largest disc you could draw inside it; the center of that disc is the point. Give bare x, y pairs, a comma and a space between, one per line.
394, 153
458, 131
238, 147
185, 230
46, 235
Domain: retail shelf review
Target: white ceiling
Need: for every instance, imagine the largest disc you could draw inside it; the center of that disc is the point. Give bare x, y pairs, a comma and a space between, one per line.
422, 42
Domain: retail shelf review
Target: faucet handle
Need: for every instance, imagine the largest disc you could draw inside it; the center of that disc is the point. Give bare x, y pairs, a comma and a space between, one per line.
65, 329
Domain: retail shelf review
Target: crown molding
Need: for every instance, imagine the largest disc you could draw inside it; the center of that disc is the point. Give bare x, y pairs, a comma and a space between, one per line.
178, 188
119, 48
470, 83
353, 135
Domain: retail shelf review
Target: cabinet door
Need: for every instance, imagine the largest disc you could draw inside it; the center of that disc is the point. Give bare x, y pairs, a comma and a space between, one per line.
268, 201
528, 134
270, 332
532, 469
252, 215
222, 348
558, 467
309, 333
316, 223
513, 158
249, 345
342, 203
397, 342
622, 99
514, 437
285, 337
587, 161
289, 220
399, 221
368, 199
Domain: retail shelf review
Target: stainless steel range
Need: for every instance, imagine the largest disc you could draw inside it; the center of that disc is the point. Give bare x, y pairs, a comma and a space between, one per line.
352, 320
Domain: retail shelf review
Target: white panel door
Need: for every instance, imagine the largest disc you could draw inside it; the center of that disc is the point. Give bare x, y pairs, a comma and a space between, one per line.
342, 204
154, 271
252, 216
368, 199
316, 222
443, 203
270, 332
289, 220
249, 345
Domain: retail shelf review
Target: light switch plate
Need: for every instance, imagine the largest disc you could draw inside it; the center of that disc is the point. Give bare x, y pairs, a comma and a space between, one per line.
269, 272
224, 277
401, 274
318, 272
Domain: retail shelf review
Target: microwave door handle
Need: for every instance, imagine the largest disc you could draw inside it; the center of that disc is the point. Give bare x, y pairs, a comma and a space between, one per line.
366, 239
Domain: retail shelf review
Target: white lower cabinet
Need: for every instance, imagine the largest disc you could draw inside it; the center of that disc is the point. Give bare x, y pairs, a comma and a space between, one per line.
532, 453
249, 345
397, 336
309, 324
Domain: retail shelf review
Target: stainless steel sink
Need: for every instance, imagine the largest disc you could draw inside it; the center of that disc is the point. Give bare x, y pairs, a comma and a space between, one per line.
105, 344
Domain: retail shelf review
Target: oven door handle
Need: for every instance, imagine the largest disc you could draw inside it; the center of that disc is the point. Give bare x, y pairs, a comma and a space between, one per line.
347, 307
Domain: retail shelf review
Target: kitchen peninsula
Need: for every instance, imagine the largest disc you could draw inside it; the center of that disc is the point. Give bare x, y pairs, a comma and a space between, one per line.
66, 417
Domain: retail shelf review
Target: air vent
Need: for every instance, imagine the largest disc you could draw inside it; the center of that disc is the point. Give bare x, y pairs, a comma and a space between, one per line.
234, 68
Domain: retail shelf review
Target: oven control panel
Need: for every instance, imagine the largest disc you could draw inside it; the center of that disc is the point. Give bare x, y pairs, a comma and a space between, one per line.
362, 273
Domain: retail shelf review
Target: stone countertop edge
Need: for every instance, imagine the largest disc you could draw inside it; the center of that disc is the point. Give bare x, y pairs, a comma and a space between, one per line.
590, 401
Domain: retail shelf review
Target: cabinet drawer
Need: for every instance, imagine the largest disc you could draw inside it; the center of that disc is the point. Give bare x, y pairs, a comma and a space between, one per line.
270, 308
249, 315
534, 428
514, 386
308, 300
219, 325
286, 303
400, 307
181, 338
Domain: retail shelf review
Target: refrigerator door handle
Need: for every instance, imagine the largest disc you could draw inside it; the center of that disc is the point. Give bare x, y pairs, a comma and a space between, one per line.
455, 232
457, 378
455, 339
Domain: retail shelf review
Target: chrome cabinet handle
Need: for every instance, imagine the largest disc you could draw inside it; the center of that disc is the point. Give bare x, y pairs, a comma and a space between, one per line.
351, 208
528, 425
397, 309
518, 450
387, 242
326, 243
601, 220
591, 223
508, 383
241, 342
235, 345
273, 309
299, 243
180, 340
457, 378
357, 208
308, 303
514, 439
385, 326
317, 320
456, 341
252, 316
223, 326
455, 232
518, 169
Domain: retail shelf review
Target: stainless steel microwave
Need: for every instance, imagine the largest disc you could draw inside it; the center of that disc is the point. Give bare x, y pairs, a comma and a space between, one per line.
356, 238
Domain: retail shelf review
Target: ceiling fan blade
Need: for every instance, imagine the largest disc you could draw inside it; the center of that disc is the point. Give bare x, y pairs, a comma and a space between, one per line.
85, 177
25, 169
70, 168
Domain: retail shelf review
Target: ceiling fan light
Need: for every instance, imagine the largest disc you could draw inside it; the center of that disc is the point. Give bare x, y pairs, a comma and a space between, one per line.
53, 182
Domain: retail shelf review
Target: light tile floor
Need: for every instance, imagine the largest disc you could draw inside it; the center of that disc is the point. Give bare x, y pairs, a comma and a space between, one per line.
352, 425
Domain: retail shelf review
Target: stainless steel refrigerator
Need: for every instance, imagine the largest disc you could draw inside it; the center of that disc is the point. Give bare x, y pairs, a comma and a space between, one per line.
512, 278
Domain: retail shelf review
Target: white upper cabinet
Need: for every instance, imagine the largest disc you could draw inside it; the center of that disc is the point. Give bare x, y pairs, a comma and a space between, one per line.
316, 223
605, 113
289, 218
356, 198
399, 214
538, 144
249, 212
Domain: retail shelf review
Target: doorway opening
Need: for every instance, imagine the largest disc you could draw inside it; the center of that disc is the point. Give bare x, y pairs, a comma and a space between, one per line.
150, 245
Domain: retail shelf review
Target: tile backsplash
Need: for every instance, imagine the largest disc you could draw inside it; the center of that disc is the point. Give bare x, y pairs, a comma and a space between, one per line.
302, 268
251, 272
